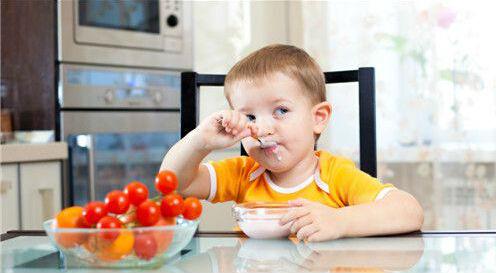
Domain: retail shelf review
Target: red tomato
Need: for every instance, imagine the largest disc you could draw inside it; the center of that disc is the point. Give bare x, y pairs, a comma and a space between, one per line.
164, 237
94, 211
192, 208
109, 222
166, 182
148, 213
137, 192
172, 205
145, 246
117, 202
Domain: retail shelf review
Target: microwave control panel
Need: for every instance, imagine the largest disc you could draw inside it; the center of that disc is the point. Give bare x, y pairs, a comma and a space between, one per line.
173, 26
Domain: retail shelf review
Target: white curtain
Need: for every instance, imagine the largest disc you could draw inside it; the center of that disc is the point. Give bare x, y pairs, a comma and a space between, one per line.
435, 84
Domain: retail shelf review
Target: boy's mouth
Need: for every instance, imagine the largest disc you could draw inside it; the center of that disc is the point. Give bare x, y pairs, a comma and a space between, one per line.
273, 151
270, 148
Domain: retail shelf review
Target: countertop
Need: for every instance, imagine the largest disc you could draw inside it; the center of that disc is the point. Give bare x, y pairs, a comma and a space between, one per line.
15, 153
470, 252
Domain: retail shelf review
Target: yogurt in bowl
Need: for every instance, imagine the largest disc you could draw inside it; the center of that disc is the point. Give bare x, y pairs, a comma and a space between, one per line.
260, 220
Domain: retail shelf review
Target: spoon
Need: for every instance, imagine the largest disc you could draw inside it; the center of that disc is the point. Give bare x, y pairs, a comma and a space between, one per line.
265, 144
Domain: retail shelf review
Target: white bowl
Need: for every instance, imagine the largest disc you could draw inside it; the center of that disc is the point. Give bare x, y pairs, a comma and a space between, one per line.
260, 220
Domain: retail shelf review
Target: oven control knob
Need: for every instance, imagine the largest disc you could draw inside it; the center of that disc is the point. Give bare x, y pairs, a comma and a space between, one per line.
157, 97
172, 20
109, 96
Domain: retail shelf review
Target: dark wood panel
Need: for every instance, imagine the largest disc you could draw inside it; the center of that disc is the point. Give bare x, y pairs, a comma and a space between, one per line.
28, 46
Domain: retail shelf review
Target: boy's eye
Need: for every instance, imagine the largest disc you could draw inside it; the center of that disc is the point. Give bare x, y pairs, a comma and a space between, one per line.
250, 117
281, 111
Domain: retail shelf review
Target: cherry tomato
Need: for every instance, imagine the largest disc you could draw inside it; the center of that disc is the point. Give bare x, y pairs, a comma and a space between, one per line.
117, 202
94, 211
145, 246
71, 217
166, 182
109, 222
163, 237
148, 213
137, 192
112, 251
192, 208
172, 205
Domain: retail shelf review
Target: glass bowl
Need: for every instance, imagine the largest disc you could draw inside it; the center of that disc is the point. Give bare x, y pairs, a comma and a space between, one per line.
128, 248
260, 220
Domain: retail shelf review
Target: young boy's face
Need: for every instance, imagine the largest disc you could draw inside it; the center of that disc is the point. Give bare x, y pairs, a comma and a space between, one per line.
283, 114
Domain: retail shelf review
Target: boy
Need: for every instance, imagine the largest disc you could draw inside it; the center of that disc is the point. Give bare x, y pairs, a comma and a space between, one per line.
277, 95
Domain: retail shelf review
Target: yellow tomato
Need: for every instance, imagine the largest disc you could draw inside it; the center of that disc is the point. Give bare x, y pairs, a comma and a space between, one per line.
119, 248
71, 217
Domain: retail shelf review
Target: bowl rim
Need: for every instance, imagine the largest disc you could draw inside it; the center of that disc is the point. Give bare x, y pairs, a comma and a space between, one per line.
49, 227
260, 210
262, 205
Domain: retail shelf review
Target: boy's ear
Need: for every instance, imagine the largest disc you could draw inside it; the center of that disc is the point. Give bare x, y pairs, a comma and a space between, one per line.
321, 115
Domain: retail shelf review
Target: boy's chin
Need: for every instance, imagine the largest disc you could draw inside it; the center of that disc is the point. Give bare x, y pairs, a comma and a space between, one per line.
272, 164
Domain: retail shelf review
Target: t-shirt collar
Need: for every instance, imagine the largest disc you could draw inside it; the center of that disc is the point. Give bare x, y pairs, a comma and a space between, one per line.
316, 177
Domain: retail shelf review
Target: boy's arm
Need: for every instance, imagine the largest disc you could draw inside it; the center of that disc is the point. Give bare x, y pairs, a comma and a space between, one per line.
184, 159
219, 130
397, 212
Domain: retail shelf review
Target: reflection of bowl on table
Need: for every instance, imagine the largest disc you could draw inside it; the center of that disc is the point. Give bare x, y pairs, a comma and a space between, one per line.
267, 256
260, 220
87, 247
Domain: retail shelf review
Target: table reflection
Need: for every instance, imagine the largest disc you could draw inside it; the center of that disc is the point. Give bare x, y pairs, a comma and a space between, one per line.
464, 252
381, 254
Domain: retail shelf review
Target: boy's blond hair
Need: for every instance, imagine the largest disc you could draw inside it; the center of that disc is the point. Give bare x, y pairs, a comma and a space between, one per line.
289, 60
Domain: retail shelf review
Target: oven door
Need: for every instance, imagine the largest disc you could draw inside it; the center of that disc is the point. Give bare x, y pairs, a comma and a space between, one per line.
108, 149
119, 23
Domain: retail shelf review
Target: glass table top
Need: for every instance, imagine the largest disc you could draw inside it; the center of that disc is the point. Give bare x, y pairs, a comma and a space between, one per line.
413, 253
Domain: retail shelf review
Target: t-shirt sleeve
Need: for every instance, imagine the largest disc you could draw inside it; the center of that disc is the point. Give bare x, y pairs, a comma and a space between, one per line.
355, 187
226, 177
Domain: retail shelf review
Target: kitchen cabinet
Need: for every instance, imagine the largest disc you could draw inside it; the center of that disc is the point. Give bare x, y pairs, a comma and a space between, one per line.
27, 57
31, 194
9, 195
40, 192
31, 184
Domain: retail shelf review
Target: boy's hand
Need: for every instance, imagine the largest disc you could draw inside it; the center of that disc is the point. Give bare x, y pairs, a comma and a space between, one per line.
223, 129
314, 221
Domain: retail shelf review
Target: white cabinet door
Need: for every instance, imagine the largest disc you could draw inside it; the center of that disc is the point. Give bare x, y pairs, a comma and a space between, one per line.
9, 195
40, 193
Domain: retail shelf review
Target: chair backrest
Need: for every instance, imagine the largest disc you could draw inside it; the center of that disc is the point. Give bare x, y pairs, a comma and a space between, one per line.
191, 82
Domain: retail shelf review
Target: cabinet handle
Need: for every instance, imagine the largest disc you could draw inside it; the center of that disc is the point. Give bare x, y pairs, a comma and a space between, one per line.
46, 203
5, 186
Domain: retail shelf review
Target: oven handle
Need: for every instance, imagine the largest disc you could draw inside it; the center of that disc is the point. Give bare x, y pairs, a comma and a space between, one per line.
91, 167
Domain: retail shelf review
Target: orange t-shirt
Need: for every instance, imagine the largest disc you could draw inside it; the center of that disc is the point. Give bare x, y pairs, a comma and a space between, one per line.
336, 183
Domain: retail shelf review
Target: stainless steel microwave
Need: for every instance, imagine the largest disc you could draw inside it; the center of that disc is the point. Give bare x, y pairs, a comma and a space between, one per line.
136, 33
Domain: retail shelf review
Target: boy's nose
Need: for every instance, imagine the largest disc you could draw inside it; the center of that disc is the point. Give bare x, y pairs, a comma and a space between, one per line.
265, 128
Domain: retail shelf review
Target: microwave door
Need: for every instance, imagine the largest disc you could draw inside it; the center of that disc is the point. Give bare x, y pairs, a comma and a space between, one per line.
119, 23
